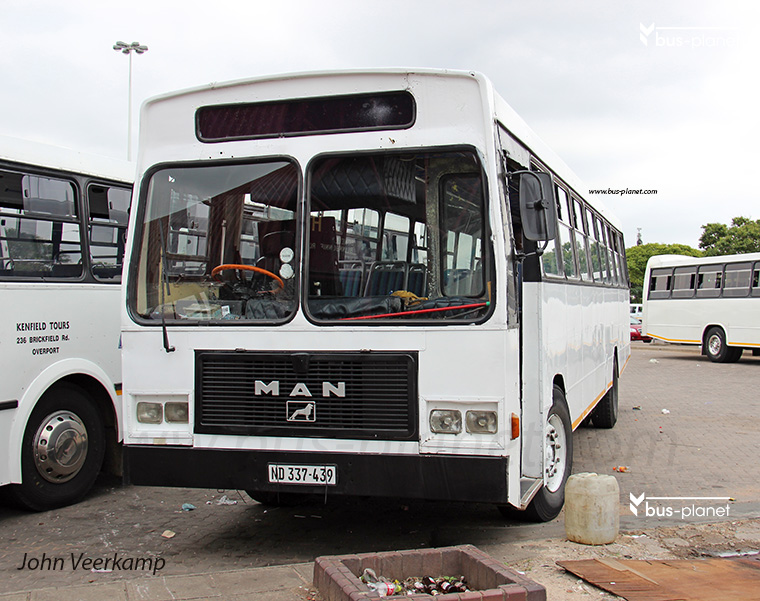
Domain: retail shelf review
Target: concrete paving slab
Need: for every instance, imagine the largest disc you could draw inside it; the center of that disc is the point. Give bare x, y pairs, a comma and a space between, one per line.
191, 587
149, 590
260, 580
95, 592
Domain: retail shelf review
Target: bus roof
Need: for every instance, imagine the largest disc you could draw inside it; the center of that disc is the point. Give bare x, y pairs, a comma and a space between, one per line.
681, 260
27, 152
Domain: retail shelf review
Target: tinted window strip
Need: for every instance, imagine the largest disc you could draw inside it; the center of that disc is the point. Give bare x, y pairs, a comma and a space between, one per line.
356, 112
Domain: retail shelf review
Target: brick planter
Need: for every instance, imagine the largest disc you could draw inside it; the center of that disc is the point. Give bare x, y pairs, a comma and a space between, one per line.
337, 576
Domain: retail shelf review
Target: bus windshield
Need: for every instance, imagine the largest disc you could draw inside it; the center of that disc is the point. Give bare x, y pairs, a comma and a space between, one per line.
396, 237
207, 231
389, 236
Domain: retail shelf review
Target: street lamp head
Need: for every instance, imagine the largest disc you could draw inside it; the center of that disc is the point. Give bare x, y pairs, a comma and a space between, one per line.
128, 48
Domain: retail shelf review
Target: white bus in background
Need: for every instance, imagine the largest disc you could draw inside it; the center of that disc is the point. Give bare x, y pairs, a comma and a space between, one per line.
335, 287
63, 219
710, 301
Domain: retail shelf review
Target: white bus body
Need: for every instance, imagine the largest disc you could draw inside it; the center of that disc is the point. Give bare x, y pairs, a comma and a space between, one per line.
710, 301
394, 339
62, 230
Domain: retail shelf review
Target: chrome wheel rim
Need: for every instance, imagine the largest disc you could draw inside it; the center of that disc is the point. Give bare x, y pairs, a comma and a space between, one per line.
60, 446
714, 345
555, 453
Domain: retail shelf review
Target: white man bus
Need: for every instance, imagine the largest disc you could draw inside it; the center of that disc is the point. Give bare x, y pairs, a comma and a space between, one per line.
340, 280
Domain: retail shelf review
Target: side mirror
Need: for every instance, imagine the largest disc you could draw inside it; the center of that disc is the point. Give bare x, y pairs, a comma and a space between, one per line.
538, 206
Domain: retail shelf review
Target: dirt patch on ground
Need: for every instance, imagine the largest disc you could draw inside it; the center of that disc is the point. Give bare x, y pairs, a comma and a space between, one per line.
537, 559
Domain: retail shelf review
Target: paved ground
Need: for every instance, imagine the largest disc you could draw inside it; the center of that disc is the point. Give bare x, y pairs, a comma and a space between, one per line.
705, 446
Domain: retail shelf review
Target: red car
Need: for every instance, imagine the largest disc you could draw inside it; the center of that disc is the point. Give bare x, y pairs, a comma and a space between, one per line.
636, 331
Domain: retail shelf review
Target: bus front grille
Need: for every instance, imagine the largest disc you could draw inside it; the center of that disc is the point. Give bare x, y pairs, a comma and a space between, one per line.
310, 394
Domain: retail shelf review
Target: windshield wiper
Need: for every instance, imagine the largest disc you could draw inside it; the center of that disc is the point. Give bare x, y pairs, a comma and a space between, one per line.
164, 292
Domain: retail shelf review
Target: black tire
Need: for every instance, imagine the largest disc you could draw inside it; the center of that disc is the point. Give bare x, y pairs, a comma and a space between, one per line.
66, 411
717, 348
605, 414
548, 501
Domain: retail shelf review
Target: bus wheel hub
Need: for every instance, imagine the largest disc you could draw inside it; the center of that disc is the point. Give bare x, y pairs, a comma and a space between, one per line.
60, 447
714, 344
554, 453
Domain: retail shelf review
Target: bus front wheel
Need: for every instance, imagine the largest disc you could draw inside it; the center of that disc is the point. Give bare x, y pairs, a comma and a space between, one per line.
558, 462
63, 449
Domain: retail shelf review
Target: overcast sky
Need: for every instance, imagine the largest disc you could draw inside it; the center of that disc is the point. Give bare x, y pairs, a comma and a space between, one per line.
630, 93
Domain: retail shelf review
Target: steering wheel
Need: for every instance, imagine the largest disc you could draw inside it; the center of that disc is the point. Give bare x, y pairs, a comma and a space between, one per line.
227, 266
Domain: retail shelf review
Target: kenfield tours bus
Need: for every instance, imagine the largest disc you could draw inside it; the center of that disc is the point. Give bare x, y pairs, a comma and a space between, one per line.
710, 301
63, 219
377, 283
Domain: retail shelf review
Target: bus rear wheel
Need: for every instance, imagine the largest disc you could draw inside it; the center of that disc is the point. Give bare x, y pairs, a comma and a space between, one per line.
62, 452
605, 414
718, 350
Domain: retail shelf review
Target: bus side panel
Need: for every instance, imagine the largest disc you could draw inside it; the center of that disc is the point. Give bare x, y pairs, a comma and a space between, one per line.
676, 320
564, 343
744, 326
50, 331
605, 319
685, 321
574, 340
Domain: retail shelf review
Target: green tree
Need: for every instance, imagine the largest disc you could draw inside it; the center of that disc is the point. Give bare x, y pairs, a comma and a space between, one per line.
742, 236
637, 257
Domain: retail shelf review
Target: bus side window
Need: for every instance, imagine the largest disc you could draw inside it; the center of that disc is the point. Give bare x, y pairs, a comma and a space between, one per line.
737, 281
109, 209
40, 235
684, 283
659, 283
581, 239
566, 237
709, 280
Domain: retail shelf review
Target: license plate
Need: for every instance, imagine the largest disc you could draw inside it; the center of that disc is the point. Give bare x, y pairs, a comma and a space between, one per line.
286, 473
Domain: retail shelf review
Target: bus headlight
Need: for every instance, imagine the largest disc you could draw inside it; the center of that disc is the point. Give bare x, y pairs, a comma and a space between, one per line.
481, 422
446, 421
150, 413
176, 413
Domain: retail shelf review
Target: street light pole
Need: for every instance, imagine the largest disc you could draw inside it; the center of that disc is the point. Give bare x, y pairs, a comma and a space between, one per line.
128, 49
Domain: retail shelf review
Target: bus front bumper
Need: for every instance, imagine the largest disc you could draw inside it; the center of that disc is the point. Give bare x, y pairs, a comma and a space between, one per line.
433, 477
